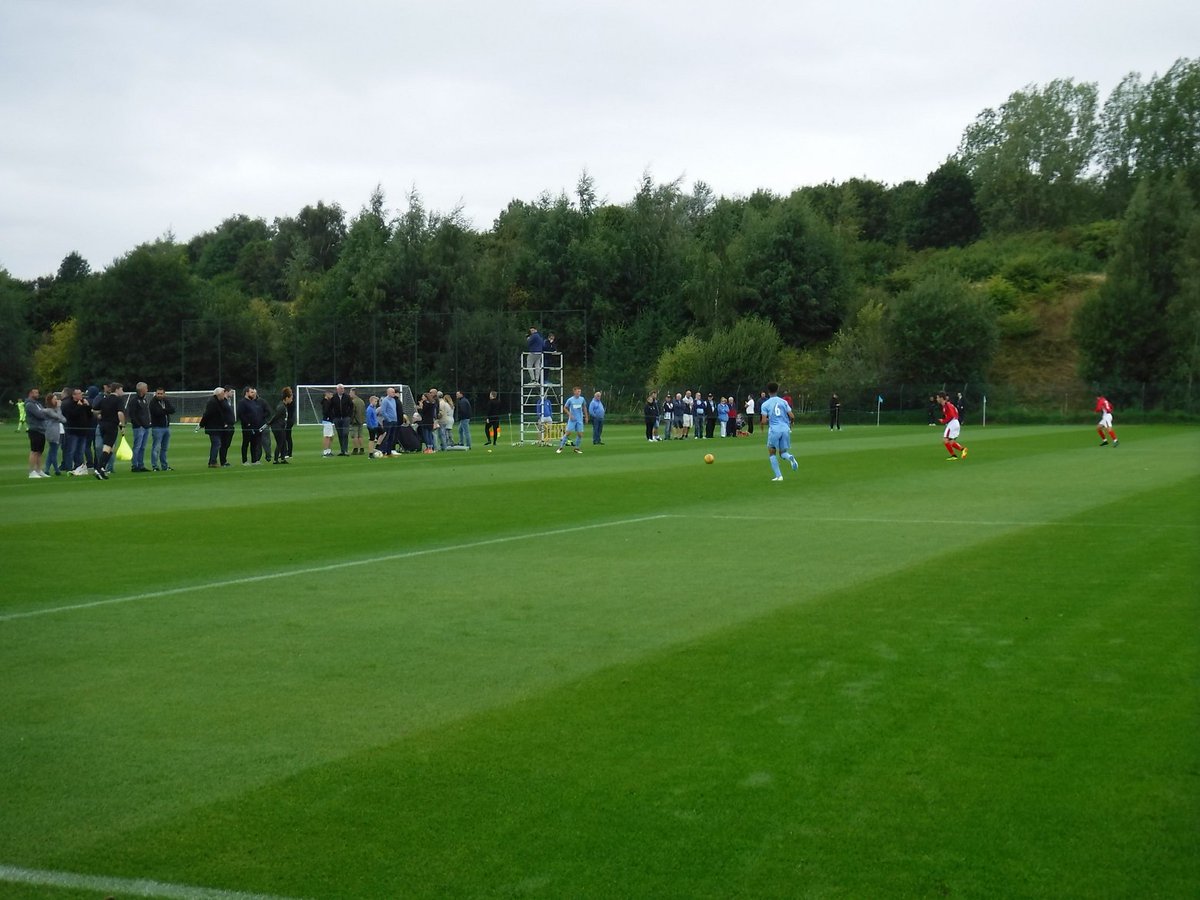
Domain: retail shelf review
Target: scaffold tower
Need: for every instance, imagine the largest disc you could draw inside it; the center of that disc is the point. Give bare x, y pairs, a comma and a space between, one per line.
541, 381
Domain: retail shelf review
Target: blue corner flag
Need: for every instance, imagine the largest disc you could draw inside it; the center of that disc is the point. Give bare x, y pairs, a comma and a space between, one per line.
881, 398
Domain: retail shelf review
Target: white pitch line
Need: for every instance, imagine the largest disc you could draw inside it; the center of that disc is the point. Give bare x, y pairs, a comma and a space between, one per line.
982, 523
331, 567
133, 887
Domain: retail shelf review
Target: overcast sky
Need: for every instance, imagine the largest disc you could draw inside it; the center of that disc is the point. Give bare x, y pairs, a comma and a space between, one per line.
122, 120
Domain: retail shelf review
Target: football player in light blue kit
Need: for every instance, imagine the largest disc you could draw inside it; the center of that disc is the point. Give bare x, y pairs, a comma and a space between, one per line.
777, 418
575, 410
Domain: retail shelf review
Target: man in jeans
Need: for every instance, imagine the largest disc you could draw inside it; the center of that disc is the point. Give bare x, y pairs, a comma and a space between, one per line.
81, 426
389, 416
596, 411
462, 413
161, 410
137, 414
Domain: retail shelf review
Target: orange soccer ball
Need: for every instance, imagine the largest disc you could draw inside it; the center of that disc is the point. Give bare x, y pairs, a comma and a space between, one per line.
709, 458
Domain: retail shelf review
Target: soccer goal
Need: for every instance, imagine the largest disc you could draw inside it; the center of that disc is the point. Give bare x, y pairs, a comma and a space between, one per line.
309, 397
189, 406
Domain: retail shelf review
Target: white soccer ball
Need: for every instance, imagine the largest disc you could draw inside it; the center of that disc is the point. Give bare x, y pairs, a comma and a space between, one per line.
378, 454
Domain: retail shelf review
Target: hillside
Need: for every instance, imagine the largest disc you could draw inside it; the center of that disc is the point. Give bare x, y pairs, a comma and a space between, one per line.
1039, 359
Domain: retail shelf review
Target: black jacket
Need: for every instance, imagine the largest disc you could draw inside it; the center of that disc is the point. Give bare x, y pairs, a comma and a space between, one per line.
214, 415
137, 410
161, 412
341, 406
78, 415
250, 414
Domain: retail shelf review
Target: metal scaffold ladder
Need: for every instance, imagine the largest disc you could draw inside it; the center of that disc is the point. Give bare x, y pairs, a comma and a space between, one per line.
541, 383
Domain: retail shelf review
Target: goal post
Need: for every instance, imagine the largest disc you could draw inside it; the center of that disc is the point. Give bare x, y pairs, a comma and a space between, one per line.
309, 397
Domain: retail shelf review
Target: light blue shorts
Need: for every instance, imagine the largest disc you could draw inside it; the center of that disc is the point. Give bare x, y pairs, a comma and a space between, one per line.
780, 440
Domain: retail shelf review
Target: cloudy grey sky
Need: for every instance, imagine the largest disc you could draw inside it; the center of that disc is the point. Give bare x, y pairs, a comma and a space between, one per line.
121, 120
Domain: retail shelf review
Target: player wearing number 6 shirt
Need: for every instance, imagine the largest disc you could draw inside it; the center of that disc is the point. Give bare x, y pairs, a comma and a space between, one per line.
575, 410
950, 420
1105, 409
777, 418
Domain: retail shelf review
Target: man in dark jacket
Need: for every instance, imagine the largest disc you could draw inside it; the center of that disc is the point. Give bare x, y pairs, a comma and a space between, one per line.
267, 412
650, 413
341, 410
213, 423
250, 414
137, 414
161, 410
81, 425
491, 422
462, 416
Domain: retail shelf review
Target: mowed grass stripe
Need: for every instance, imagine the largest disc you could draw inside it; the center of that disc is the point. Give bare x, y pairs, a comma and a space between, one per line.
946, 730
321, 570
41, 879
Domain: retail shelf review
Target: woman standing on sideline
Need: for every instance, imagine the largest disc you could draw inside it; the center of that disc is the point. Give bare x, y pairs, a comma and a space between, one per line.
55, 423
650, 414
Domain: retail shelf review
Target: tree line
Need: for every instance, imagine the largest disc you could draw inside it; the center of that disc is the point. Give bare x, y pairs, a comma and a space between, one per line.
853, 283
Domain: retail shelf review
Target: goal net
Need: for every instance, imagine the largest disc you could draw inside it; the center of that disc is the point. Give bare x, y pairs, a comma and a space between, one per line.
189, 405
309, 397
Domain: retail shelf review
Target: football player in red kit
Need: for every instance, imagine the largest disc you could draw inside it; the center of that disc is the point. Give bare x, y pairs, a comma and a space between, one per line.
1105, 409
950, 420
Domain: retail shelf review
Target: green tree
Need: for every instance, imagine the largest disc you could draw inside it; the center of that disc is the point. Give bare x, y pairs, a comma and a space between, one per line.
218, 253
308, 244
946, 216
16, 298
55, 361
857, 358
790, 268
1166, 123
1152, 128
131, 319
1030, 160
942, 332
747, 353
1124, 328
1183, 318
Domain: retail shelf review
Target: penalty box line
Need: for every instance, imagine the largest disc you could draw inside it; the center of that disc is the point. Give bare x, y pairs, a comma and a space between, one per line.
129, 887
331, 567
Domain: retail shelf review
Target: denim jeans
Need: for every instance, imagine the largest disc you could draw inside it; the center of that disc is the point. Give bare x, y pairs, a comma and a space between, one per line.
160, 438
464, 432
74, 456
139, 448
214, 449
52, 456
597, 428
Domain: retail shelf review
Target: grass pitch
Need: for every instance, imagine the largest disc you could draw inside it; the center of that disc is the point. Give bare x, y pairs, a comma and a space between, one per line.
622, 674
